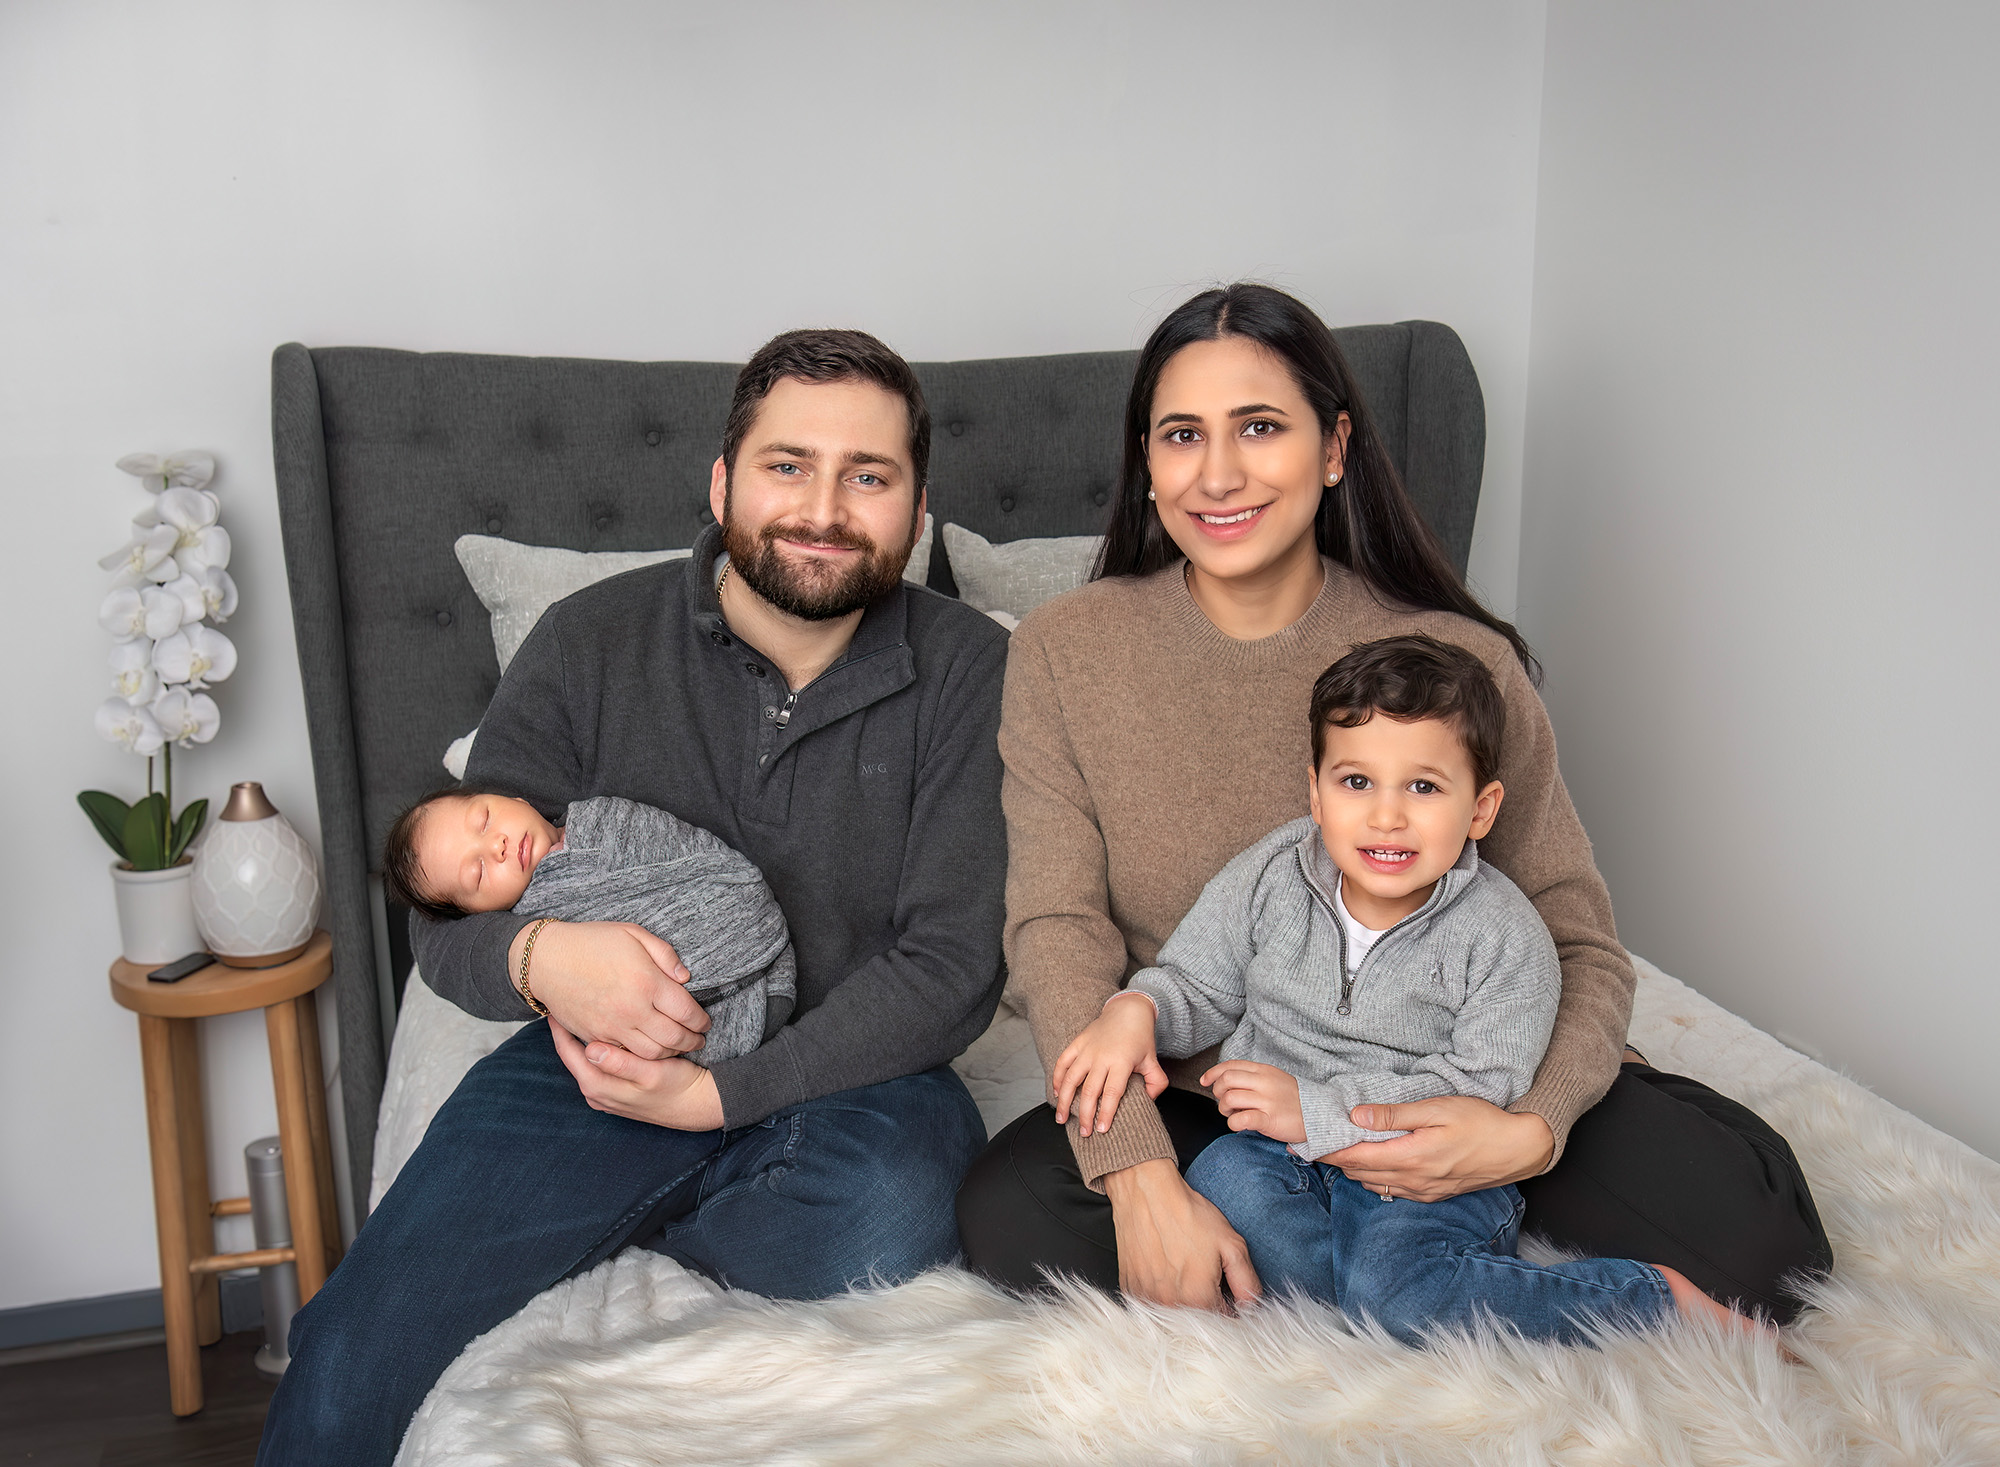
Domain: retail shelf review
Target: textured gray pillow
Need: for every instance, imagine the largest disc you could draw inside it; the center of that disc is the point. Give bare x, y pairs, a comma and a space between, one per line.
1020, 575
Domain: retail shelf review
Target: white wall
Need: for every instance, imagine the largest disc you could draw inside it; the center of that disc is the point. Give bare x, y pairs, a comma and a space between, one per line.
184, 187
1762, 513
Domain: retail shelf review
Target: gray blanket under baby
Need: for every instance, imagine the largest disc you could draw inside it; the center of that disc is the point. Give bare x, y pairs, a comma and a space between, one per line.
626, 862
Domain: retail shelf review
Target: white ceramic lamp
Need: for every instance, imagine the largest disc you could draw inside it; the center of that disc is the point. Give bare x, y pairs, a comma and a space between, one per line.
256, 883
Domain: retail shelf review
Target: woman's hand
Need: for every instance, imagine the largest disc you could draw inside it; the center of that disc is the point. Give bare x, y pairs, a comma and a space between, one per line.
1456, 1144
1099, 1062
613, 981
1256, 1097
1174, 1246
675, 1093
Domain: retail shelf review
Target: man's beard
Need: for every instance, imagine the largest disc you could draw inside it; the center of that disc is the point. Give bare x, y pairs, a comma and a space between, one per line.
812, 591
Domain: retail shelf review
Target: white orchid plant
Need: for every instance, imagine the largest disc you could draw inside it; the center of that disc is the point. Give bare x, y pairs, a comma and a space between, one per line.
172, 589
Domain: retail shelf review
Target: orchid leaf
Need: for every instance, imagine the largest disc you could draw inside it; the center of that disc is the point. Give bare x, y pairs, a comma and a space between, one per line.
107, 812
186, 829
145, 833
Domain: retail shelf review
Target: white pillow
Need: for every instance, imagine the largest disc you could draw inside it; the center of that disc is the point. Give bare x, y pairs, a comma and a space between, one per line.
1017, 577
516, 583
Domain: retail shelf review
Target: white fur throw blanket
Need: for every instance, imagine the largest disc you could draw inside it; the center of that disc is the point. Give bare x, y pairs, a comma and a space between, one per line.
638, 1362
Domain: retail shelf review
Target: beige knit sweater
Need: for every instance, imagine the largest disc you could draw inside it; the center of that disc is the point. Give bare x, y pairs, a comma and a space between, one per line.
1144, 748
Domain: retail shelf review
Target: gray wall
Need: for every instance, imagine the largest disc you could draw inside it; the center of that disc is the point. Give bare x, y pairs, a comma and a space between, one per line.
1761, 518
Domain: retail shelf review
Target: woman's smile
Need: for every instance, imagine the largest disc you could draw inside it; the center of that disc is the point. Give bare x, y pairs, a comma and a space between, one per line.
1228, 525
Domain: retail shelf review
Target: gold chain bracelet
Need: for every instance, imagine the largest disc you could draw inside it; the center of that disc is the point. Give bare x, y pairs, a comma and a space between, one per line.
527, 954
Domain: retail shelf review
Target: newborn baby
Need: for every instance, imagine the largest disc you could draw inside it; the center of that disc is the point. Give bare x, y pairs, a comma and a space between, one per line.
612, 861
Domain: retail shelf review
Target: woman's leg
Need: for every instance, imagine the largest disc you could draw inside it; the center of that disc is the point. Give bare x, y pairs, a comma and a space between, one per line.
1412, 1266
1024, 1211
1665, 1169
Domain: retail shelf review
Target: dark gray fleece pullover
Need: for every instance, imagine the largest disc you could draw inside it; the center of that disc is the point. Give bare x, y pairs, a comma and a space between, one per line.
622, 862
871, 803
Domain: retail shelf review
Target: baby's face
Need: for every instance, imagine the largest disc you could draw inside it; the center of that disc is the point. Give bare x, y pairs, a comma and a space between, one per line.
478, 851
1395, 802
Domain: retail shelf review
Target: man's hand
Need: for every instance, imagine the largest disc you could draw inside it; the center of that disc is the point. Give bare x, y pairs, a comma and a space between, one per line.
1257, 1098
1456, 1144
1174, 1245
1100, 1060
675, 1093
613, 981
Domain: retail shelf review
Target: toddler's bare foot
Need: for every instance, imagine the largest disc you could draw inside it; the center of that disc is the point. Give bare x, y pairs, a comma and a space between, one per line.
1692, 1302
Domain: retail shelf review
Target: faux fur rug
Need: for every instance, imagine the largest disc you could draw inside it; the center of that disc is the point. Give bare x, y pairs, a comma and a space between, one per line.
638, 1362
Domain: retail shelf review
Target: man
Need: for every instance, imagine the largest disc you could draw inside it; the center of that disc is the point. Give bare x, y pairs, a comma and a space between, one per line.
784, 689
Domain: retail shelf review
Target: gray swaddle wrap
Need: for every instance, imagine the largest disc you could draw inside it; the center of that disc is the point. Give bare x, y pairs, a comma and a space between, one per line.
625, 862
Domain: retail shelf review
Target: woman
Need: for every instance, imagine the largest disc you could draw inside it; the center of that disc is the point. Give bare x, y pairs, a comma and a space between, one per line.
1155, 724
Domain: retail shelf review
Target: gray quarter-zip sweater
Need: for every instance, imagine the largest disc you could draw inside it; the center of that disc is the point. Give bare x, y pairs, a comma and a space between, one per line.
621, 862
1458, 998
871, 805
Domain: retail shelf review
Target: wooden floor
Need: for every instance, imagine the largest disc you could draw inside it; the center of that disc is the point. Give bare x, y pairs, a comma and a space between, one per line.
110, 1410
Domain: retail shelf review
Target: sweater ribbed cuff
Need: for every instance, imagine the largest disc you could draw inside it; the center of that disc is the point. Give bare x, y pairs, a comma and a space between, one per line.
1559, 1097
1137, 1134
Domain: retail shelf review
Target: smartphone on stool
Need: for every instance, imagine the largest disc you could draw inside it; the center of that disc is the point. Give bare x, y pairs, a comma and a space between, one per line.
179, 968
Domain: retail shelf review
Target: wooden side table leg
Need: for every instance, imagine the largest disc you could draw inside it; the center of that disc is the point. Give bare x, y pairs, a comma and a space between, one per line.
288, 1078
195, 1192
164, 1129
329, 1211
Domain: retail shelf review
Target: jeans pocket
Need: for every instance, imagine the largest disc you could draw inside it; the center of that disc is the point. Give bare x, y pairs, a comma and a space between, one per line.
1300, 1180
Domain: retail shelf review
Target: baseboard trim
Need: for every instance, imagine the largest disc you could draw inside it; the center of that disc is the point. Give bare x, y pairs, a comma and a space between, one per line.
75, 1319
120, 1314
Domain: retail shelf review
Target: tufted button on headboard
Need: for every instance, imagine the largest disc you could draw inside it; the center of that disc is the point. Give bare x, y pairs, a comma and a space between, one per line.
384, 458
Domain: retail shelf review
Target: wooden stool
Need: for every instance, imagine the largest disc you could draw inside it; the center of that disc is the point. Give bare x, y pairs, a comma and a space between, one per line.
174, 1124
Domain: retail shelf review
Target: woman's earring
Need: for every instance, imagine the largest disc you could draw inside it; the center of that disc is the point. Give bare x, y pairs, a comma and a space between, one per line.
1151, 495
1334, 480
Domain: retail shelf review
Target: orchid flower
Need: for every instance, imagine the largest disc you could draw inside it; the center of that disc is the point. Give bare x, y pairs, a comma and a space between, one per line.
182, 470
186, 718
132, 675
218, 594
150, 557
194, 605
153, 612
135, 728
194, 655
200, 542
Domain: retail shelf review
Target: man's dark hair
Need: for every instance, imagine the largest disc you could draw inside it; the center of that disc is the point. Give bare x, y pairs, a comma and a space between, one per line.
828, 355
1409, 678
402, 876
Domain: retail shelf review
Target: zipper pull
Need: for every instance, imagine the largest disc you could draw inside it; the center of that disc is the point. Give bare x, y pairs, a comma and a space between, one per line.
784, 715
1346, 996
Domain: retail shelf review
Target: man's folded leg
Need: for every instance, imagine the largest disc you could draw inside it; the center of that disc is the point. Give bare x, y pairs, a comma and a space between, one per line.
852, 1187
518, 1184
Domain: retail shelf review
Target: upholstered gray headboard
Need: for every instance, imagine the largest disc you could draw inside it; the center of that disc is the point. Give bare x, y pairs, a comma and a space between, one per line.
384, 458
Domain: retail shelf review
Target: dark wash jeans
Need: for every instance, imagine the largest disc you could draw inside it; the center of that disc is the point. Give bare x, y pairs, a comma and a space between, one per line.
519, 1184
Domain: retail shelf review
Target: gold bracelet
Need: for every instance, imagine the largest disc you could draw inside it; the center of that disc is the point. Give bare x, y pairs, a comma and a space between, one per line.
527, 954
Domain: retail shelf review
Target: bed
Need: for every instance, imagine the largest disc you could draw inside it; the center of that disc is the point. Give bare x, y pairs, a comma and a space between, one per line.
385, 458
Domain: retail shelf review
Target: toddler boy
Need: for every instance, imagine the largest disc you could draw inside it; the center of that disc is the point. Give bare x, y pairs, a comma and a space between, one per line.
1366, 956
613, 860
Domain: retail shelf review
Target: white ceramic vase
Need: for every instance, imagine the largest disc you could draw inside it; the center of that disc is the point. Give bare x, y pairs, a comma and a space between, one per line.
155, 913
256, 883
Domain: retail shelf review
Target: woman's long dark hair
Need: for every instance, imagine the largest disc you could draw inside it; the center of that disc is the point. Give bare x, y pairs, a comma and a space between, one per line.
1366, 522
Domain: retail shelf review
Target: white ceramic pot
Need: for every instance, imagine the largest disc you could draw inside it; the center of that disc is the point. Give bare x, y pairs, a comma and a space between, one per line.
155, 913
256, 883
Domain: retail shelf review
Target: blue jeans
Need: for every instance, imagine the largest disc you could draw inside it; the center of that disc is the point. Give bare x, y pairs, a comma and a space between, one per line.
1410, 1265
519, 1184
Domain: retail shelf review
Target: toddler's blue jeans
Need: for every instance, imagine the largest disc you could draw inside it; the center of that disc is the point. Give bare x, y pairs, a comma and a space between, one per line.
519, 1184
1410, 1265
